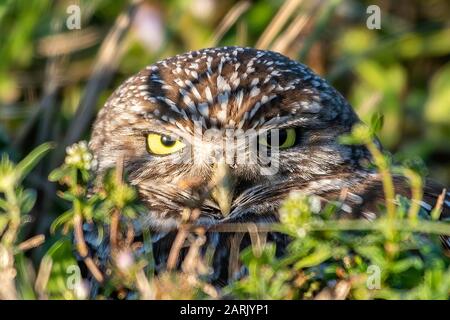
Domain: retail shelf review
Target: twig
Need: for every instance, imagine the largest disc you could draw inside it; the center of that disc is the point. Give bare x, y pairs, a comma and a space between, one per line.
130, 234
83, 249
90, 264
31, 243
181, 236
113, 233
176, 247
192, 262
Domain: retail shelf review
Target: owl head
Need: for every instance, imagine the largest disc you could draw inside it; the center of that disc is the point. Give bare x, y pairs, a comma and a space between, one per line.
230, 131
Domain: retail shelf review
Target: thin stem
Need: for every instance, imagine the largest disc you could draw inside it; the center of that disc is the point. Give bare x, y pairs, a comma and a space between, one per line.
7, 270
10, 234
429, 227
416, 193
388, 184
81, 244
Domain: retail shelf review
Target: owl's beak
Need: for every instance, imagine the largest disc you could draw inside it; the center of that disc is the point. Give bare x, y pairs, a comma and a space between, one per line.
223, 190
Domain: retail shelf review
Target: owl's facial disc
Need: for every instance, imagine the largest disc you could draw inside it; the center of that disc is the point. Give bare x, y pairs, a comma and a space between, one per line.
152, 120
223, 153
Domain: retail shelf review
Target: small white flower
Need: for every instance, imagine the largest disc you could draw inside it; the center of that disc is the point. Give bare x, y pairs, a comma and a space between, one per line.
124, 260
315, 204
81, 290
301, 232
78, 155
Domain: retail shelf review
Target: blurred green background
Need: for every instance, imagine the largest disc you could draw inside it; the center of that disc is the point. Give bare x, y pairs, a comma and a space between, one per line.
53, 80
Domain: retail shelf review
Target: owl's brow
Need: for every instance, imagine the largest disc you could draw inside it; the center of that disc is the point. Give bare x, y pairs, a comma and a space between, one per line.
276, 122
288, 122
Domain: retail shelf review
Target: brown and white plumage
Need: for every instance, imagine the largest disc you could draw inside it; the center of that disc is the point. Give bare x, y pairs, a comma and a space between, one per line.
236, 88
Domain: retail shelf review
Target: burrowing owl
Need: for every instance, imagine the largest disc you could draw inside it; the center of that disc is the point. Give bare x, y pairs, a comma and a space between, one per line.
157, 121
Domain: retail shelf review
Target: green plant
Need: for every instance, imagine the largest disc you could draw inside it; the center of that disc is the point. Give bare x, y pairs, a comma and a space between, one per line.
15, 203
111, 204
393, 257
48, 91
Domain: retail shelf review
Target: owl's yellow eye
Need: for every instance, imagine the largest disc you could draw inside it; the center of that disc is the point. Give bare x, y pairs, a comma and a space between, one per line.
286, 139
161, 144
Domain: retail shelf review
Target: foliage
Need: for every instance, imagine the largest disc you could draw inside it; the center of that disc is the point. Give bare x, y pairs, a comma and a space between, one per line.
392, 257
15, 204
50, 90
389, 258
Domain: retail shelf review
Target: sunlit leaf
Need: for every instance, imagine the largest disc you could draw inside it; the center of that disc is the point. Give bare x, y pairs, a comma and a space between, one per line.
27, 163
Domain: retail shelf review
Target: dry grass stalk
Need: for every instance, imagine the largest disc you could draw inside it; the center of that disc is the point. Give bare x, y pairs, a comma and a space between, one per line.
83, 249
243, 227
295, 28
277, 23
233, 263
286, 41
228, 21
67, 42
43, 276
437, 210
46, 105
415, 182
114, 233
193, 263
114, 230
142, 284
370, 104
257, 238
182, 234
106, 63
241, 33
31, 243
339, 292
